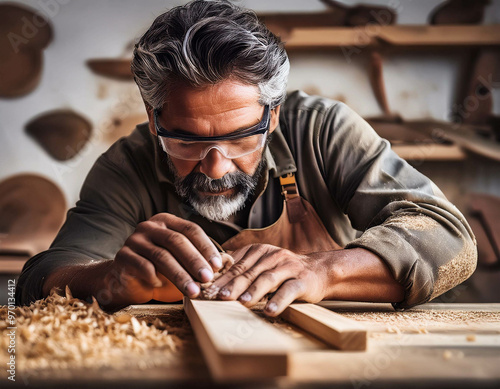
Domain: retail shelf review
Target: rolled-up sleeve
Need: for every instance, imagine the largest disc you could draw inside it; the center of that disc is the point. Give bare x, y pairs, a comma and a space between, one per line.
405, 219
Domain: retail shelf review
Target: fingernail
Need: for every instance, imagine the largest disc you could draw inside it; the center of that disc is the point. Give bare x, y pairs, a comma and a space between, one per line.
224, 292
192, 289
245, 297
216, 261
271, 307
206, 275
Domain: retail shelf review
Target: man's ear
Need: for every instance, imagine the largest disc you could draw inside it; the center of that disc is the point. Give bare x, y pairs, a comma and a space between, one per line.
150, 112
275, 118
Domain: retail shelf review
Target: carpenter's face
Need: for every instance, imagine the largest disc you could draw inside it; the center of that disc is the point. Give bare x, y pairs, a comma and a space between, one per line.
216, 186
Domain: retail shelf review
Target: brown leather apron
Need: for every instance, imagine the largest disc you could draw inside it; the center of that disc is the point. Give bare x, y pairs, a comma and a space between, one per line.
299, 229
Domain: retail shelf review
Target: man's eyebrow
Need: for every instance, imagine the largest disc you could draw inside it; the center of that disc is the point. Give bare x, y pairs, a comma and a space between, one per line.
180, 131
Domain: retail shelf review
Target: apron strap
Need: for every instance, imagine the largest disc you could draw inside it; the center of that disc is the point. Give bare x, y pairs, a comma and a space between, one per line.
294, 206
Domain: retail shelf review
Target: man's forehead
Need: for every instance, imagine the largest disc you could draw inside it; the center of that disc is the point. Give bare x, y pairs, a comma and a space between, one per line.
220, 108
225, 95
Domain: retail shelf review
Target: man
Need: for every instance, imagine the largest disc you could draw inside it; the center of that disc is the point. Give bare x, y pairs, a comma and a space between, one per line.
211, 168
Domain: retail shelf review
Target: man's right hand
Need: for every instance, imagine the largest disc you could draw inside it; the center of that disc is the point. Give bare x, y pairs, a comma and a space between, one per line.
165, 247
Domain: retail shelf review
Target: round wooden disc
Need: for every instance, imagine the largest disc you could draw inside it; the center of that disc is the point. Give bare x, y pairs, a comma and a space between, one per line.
20, 73
62, 133
24, 27
23, 35
32, 210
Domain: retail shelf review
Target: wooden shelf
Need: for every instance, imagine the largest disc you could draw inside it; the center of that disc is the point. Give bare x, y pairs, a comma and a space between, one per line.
394, 36
429, 152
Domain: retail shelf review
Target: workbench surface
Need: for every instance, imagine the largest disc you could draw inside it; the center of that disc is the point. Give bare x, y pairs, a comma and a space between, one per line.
429, 350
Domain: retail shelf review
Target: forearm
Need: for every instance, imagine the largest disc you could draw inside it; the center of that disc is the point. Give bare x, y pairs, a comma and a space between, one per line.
82, 280
360, 275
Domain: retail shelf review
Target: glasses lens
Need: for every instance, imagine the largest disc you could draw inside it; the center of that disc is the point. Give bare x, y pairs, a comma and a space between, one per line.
196, 151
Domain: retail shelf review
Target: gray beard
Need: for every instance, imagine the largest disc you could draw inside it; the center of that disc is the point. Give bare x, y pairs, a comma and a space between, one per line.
216, 207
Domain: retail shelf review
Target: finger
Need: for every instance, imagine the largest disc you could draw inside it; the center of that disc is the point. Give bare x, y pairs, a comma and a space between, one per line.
138, 266
242, 252
267, 282
184, 252
288, 292
246, 259
266, 270
168, 265
198, 238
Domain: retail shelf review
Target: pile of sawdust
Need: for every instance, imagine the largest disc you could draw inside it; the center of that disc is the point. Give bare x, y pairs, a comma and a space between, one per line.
424, 319
65, 332
456, 271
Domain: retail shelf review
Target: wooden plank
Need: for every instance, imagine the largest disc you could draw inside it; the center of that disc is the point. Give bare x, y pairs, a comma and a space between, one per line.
482, 35
303, 38
332, 328
429, 152
354, 306
437, 318
12, 261
393, 36
236, 343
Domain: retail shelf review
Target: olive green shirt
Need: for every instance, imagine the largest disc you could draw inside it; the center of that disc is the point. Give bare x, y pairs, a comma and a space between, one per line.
363, 192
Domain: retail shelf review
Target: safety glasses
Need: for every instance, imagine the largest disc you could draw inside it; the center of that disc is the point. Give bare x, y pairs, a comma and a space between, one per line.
195, 148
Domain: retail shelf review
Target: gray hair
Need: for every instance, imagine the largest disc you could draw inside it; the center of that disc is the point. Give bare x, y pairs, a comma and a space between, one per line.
205, 42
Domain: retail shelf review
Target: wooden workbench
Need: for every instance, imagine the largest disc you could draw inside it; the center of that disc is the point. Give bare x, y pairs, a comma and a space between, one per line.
465, 355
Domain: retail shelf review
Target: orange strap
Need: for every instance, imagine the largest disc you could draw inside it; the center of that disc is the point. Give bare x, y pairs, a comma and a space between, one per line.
294, 206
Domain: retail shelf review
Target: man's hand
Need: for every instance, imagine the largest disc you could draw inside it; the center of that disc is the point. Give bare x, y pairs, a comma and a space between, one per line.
263, 268
164, 245
347, 274
162, 251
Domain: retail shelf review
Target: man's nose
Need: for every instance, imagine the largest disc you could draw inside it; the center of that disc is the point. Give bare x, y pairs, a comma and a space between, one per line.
215, 165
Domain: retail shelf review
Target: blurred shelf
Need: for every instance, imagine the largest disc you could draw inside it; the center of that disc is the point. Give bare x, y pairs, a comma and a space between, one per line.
483, 35
12, 264
403, 36
13, 260
429, 152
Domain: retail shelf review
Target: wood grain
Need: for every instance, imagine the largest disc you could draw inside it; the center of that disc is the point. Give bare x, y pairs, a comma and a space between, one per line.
332, 328
236, 343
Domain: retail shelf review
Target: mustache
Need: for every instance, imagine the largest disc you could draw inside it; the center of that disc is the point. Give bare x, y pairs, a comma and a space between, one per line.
203, 183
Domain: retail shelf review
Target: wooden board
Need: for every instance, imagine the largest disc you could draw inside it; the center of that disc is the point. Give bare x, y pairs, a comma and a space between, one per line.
235, 342
393, 36
437, 318
332, 328
429, 152
482, 35
394, 360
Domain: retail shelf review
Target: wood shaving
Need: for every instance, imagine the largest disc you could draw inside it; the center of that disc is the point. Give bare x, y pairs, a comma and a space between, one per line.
208, 290
448, 354
471, 338
64, 332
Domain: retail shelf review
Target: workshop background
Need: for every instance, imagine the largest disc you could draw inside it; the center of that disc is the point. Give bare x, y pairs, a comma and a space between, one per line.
66, 95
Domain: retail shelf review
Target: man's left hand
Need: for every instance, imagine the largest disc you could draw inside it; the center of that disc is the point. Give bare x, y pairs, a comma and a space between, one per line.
262, 268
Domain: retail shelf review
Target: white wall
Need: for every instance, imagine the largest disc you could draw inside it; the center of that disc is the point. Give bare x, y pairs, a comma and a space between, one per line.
417, 85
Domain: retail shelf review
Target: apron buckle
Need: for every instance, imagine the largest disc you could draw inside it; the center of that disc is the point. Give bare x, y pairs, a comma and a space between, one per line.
288, 186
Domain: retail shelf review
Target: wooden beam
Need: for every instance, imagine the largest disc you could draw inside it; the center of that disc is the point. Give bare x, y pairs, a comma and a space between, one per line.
332, 328
429, 152
393, 36
481, 35
304, 38
236, 343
